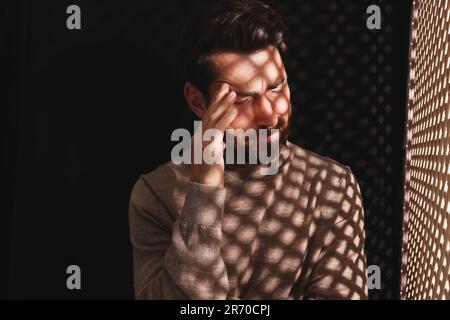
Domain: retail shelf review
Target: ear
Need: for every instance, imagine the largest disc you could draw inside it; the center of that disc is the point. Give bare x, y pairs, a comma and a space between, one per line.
195, 99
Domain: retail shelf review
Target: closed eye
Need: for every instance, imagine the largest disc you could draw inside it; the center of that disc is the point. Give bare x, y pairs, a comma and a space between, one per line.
278, 88
242, 101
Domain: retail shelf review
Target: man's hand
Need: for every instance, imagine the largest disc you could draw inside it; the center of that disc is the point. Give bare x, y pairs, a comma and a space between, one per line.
219, 115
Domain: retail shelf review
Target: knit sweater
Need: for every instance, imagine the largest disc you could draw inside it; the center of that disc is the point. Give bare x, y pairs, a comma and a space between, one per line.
298, 234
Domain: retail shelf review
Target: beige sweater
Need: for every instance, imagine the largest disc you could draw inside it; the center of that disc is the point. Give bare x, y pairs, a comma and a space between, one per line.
298, 234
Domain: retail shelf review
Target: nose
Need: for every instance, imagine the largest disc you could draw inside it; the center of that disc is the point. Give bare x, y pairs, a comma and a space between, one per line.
265, 116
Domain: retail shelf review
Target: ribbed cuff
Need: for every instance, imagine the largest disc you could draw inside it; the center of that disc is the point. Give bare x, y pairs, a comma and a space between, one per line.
204, 204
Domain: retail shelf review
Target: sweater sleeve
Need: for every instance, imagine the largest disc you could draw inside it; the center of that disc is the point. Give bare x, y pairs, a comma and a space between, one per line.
340, 270
185, 262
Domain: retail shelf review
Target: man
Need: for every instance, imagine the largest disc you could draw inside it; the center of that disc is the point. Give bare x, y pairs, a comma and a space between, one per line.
225, 231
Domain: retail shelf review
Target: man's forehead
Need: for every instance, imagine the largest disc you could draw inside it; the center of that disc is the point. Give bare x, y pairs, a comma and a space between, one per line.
242, 69
257, 58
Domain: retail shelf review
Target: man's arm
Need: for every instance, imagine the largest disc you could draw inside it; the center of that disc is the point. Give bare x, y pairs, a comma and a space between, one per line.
185, 262
340, 271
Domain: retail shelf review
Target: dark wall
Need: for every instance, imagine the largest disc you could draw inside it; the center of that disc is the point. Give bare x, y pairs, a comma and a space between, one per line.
87, 111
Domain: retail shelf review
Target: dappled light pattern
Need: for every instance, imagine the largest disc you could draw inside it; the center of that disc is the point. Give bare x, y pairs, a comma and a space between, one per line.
298, 234
426, 238
348, 89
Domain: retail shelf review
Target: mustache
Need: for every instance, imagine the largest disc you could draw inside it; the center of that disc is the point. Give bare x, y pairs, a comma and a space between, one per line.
281, 124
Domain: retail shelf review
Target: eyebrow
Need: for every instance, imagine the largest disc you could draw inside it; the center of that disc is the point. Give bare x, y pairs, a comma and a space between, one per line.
253, 94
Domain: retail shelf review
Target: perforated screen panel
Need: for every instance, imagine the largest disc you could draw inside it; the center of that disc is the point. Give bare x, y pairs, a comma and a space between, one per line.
426, 234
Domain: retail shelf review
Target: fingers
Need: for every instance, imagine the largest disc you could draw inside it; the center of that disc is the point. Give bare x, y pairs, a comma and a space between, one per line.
225, 121
223, 89
222, 101
217, 97
224, 105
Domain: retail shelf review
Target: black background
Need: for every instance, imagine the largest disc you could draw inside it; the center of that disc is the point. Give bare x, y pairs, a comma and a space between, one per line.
85, 112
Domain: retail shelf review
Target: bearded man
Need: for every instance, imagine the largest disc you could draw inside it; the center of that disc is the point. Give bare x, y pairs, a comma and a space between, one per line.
225, 230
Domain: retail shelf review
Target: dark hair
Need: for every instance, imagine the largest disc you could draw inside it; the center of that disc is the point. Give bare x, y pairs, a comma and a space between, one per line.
242, 26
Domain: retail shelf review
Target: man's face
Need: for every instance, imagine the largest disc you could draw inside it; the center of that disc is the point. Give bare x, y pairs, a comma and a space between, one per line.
260, 82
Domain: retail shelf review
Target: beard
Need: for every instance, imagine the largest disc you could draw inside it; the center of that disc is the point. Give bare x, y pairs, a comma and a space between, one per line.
282, 126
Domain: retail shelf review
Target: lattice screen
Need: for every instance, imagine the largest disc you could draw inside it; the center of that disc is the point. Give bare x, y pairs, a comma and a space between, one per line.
426, 240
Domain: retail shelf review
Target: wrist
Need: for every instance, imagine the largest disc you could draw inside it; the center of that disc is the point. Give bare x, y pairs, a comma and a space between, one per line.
211, 180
